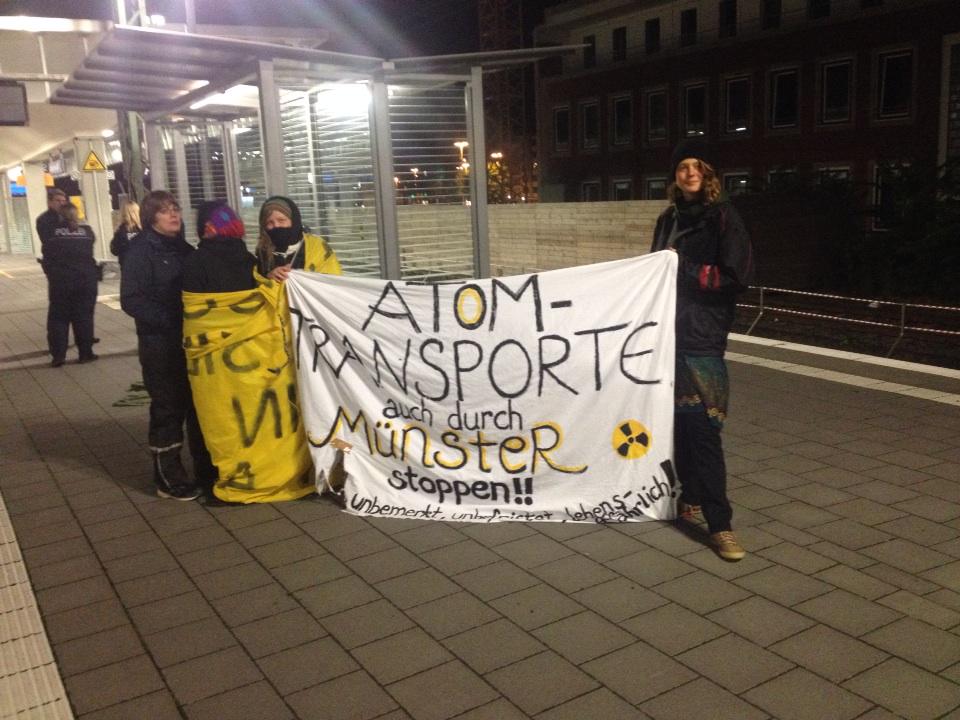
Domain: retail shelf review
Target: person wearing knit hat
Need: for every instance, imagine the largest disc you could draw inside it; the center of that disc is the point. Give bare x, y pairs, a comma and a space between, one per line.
693, 147
715, 264
285, 244
222, 262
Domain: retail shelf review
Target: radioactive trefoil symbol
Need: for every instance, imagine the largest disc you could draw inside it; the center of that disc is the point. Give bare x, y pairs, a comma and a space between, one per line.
631, 440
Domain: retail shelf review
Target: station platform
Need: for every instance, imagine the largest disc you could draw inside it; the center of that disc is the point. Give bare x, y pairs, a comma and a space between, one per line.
844, 474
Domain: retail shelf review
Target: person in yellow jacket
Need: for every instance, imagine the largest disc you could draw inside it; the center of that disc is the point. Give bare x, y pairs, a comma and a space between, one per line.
285, 244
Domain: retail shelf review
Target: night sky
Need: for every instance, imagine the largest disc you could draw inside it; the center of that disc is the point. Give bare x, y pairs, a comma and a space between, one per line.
383, 28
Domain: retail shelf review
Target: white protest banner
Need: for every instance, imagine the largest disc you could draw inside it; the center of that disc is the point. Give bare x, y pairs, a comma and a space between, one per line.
535, 397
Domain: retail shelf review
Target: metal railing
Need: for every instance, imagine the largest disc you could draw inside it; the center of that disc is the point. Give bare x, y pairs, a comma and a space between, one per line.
867, 305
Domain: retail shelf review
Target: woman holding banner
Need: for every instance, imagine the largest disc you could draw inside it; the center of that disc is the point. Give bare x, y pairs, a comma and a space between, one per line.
235, 329
285, 244
715, 264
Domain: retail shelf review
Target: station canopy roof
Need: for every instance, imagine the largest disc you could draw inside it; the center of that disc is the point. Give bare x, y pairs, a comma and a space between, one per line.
159, 71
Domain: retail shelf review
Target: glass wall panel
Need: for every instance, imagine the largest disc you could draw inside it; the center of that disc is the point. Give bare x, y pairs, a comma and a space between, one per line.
325, 129
432, 163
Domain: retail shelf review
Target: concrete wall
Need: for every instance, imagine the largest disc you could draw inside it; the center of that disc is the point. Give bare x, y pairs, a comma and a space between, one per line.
523, 238
547, 236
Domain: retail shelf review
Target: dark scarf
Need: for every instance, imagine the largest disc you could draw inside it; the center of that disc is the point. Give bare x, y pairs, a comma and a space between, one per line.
689, 213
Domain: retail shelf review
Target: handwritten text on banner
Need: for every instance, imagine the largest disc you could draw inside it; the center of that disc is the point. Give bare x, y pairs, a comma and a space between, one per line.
534, 397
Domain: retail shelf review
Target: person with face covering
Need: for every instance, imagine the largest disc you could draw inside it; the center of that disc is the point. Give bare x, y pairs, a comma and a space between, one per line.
715, 264
72, 276
222, 262
150, 292
285, 244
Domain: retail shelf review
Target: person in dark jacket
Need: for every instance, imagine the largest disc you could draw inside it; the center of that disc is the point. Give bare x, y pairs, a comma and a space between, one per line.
72, 276
715, 264
150, 292
51, 219
222, 262
126, 231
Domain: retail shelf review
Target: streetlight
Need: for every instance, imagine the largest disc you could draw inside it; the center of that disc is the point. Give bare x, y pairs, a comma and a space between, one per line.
460, 145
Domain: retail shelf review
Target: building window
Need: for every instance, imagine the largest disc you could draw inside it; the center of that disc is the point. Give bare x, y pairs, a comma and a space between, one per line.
590, 51
784, 98
619, 44
895, 84
728, 18
688, 27
887, 213
782, 177
835, 91
656, 188
736, 183
590, 191
651, 36
561, 129
589, 125
827, 175
622, 130
737, 106
817, 9
621, 189
770, 17
695, 110
656, 116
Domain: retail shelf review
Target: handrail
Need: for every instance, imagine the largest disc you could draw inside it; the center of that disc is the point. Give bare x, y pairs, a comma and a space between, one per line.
763, 307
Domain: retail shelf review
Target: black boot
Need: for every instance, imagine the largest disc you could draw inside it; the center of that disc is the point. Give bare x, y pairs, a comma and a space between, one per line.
171, 477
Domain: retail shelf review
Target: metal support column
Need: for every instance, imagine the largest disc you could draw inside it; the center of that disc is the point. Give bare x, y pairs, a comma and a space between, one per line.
180, 163
6, 214
36, 199
128, 124
158, 167
387, 228
230, 172
206, 170
95, 190
272, 143
478, 174
190, 8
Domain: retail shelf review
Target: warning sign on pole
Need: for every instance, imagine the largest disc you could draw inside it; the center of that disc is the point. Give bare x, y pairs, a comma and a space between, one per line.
93, 163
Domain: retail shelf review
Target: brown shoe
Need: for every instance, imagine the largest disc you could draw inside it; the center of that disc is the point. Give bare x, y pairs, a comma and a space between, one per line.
727, 546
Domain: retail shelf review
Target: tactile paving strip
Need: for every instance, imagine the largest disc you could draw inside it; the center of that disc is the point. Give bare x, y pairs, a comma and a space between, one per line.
30, 686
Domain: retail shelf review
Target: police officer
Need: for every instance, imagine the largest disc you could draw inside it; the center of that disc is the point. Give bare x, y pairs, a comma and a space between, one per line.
72, 276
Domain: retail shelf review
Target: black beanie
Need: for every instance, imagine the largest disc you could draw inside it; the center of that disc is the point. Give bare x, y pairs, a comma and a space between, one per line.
693, 147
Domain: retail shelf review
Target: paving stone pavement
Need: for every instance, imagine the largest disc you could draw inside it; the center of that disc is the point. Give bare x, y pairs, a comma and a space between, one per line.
847, 605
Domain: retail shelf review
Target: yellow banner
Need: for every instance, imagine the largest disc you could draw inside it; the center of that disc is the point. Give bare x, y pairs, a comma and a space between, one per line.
244, 389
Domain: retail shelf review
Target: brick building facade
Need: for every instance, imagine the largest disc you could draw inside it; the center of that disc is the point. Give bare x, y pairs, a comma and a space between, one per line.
777, 88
